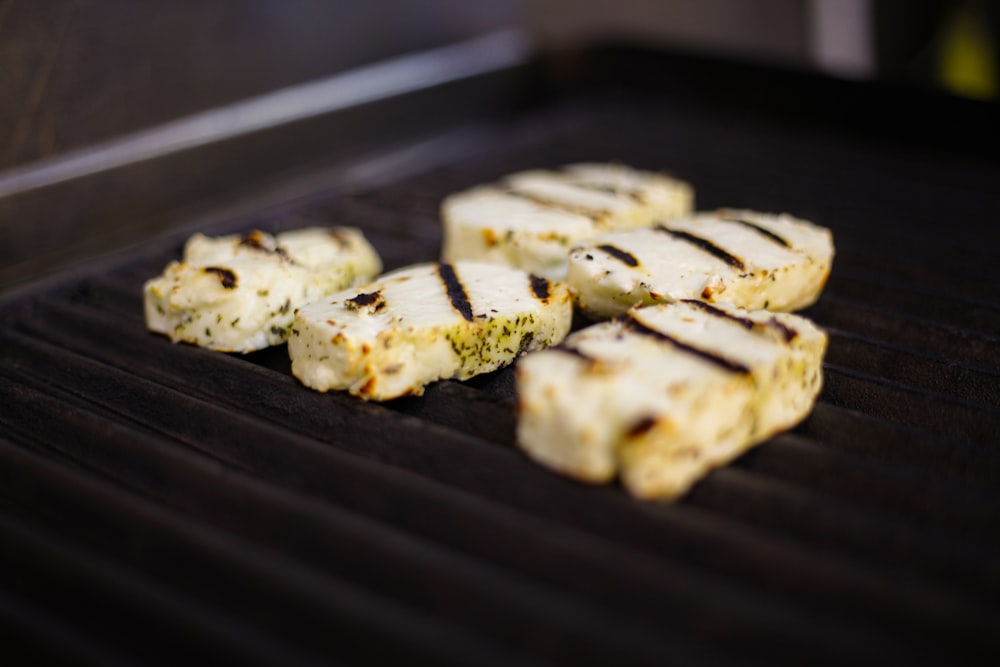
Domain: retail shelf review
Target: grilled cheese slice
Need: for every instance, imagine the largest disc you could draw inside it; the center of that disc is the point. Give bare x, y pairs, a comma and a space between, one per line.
424, 323
661, 395
531, 219
754, 260
237, 293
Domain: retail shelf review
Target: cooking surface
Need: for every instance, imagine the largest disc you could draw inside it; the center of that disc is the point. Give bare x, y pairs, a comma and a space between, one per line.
161, 501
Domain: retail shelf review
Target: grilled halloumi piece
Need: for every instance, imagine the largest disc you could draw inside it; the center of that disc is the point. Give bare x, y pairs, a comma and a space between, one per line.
664, 393
424, 323
531, 219
754, 260
237, 293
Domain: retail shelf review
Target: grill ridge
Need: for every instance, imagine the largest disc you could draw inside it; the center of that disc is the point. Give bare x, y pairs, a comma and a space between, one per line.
214, 496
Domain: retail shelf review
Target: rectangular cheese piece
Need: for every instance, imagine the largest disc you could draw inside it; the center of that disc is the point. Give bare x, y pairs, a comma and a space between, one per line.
531, 219
424, 323
661, 395
237, 293
754, 260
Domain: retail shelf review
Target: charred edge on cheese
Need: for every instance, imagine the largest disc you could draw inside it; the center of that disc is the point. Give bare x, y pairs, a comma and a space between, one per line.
592, 213
634, 195
642, 426
705, 245
539, 287
626, 258
788, 332
373, 301
576, 352
226, 276
766, 233
746, 322
711, 357
456, 291
340, 237
253, 240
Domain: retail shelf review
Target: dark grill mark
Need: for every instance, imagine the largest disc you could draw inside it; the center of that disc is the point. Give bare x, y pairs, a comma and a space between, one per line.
625, 257
641, 426
592, 213
576, 352
456, 291
374, 301
253, 240
788, 332
722, 362
340, 236
539, 287
634, 195
766, 233
226, 276
707, 246
717, 312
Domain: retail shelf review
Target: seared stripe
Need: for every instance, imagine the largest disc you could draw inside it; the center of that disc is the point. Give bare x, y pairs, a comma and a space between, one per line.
711, 357
634, 195
255, 240
456, 291
593, 213
747, 323
539, 287
569, 349
373, 301
766, 233
641, 427
788, 332
707, 246
625, 257
226, 276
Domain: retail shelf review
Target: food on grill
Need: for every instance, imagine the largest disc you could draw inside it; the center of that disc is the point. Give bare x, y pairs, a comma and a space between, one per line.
238, 293
664, 393
424, 323
754, 260
531, 219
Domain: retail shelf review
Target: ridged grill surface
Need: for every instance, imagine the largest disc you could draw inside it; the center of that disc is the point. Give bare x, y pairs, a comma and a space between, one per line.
159, 501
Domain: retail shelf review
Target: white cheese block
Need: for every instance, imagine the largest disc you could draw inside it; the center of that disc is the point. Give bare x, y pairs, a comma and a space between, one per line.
424, 323
665, 393
238, 293
531, 219
754, 260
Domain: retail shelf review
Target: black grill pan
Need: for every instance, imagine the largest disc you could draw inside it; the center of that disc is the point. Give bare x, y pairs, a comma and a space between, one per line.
159, 502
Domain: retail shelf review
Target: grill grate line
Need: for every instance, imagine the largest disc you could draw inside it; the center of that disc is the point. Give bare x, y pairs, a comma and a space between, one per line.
970, 347
931, 373
967, 313
187, 554
836, 637
920, 553
864, 535
661, 590
90, 588
907, 492
949, 278
838, 584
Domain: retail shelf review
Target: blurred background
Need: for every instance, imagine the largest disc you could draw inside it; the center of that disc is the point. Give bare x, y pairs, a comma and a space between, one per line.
78, 73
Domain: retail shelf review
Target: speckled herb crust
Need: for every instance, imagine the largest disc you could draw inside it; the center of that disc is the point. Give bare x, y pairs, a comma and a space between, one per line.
753, 260
663, 394
428, 322
237, 293
530, 219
